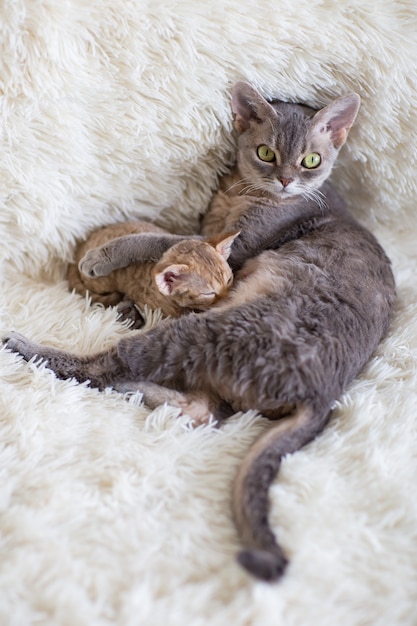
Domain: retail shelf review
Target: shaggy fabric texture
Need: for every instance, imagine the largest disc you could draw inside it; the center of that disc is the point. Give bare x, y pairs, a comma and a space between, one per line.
110, 514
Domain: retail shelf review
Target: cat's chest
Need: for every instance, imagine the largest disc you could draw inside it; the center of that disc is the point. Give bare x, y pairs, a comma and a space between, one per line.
223, 212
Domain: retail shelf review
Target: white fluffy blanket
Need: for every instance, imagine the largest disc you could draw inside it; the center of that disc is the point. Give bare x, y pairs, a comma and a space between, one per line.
110, 514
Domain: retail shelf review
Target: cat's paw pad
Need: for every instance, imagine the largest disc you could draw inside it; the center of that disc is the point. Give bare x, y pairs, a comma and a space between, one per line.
95, 263
128, 310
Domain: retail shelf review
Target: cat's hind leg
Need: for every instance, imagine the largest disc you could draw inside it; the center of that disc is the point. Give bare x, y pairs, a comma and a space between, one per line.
194, 404
16, 342
100, 369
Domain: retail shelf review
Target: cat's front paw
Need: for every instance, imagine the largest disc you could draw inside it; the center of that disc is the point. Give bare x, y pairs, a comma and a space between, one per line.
96, 263
20, 344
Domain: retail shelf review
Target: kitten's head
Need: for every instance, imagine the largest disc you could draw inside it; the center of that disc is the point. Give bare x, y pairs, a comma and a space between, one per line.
288, 149
195, 272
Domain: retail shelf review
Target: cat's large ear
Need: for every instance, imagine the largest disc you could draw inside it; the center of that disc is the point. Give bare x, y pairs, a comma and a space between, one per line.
223, 243
169, 277
249, 106
337, 118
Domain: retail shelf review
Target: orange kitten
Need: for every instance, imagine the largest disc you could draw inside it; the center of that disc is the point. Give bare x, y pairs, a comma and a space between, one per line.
193, 274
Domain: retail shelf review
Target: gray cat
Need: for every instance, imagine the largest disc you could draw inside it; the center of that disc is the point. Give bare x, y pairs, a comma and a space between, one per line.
312, 299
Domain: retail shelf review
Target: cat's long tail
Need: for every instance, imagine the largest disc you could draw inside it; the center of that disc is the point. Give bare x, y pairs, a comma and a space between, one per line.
262, 555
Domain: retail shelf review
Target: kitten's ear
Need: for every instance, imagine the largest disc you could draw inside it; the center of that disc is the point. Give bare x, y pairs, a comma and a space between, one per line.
249, 106
223, 243
169, 277
337, 118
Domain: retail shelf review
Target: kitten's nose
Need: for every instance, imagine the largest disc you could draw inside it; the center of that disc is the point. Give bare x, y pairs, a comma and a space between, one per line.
285, 181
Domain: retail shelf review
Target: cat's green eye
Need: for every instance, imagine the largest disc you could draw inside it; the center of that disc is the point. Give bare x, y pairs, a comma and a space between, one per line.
311, 161
266, 154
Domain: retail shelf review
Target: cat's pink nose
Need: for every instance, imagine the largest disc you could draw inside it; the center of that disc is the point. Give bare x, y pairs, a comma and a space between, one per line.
285, 181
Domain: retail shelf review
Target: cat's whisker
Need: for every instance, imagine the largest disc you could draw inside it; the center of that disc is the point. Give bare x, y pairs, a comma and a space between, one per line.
259, 187
321, 200
236, 184
316, 196
310, 196
272, 126
246, 185
252, 187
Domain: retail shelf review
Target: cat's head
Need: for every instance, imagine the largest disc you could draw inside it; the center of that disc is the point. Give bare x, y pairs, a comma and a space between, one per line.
195, 272
288, 149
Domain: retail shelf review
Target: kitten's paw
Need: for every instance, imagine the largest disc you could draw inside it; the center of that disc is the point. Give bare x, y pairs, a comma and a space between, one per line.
20, 344
96, 263
128, 310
